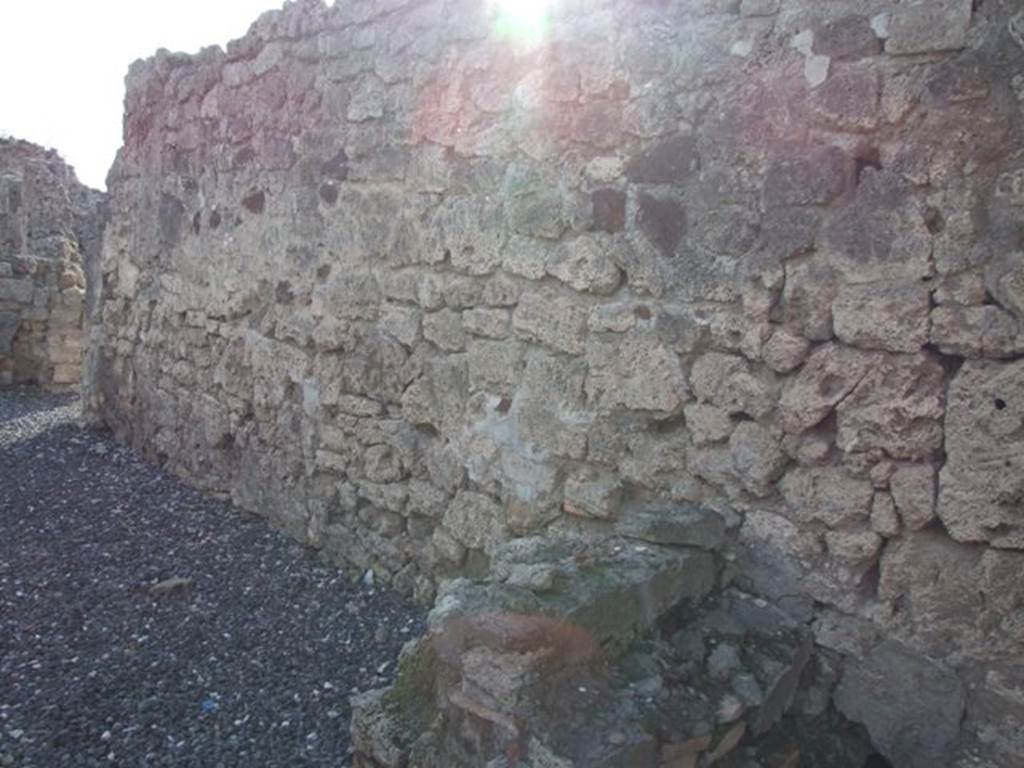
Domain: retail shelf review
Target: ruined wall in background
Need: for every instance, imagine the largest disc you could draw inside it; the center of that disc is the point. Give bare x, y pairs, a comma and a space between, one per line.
50, 230
411, 279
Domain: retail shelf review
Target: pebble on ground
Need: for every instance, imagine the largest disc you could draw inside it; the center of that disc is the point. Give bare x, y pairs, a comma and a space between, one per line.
145, 624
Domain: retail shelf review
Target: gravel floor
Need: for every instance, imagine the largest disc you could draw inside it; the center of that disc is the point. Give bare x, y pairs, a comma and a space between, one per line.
251, 666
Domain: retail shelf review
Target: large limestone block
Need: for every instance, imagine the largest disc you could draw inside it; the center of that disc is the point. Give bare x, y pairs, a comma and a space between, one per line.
897, 407
911, 706
982, 485
636, 372
950, 600
889, 317
552, 320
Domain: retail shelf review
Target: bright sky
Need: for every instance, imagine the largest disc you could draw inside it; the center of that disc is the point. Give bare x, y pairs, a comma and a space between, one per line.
63, 62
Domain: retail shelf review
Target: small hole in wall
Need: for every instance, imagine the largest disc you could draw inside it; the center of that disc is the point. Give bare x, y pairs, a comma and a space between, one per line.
255, 201
1000, 404
283, 293
644, 313
934, 220
329, 193
504, 405
867, 157
323, 272
215, 219
197, 222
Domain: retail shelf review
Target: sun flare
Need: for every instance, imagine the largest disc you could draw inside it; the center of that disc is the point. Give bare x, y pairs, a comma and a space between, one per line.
524, 21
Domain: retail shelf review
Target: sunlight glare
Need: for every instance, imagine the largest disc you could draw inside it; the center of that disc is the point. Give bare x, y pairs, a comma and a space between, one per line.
523, 21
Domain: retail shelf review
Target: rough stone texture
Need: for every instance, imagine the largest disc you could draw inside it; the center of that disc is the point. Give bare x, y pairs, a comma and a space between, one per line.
918, 719
413, 286
50, 236
981, 485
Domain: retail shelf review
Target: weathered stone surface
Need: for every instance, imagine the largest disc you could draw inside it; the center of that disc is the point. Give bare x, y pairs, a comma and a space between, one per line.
928, 25
807, 176
591, 496
707, 423
584, 264
913, 490
475, 520
785, 351
893, 318
847, 38
727, 382
980, 486
670, 161
896, 407
830, 374
552, 320
975, 331
687, 526
952, 601
757, 457
911, 707
635, 371
849, 101
828, 494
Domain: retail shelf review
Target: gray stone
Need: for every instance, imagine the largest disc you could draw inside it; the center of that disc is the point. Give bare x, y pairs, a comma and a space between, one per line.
914, 489
924, 26
590, 496
953, 601
584, 264
784, 351
911, 706
636, 372
896, 407
727, 382
475, 520
827, 494
680, 526
807, 176
848, 38
668, 162
757, 457
16, 290
552, 320
888, 317
830, 374
707, 423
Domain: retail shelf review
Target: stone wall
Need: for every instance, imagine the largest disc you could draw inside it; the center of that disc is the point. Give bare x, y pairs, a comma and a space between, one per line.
50, 229
414, 279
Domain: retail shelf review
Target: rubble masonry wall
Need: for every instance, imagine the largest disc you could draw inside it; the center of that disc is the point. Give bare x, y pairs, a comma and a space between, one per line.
50, 226
414, 278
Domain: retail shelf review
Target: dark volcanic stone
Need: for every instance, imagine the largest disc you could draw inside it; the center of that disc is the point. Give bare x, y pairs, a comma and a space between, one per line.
609, 210
669, 162
663, 220
807, 176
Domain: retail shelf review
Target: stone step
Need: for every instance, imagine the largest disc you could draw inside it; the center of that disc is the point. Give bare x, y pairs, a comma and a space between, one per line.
522, 687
